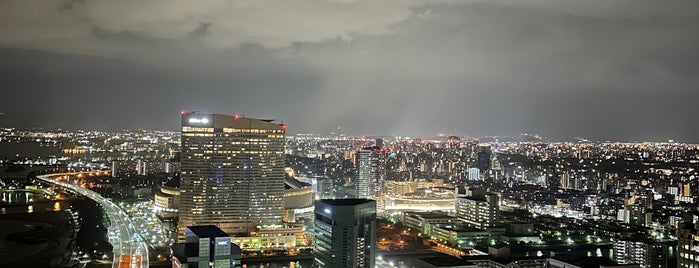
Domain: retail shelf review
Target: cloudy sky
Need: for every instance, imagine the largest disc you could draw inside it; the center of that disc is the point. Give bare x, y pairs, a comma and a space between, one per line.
599, 69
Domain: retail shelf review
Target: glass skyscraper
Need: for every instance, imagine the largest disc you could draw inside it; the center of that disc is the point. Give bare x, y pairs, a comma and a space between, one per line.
232, 173
345, 232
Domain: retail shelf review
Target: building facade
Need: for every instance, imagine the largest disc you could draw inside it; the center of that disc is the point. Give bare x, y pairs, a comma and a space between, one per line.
478, 211
232, 173
345, 233
644, 252
371, 169
206, 246
688, 241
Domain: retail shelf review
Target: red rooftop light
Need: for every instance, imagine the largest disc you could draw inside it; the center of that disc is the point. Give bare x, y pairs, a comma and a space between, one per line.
236, 116
183, 112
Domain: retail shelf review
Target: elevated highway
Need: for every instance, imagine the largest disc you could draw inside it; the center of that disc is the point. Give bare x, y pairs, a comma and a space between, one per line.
130, 250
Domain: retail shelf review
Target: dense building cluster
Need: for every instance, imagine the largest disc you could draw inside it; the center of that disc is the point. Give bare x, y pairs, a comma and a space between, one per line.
492, 201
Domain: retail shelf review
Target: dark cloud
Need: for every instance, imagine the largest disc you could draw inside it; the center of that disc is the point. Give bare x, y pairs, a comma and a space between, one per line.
611, 70
68, 5
116, 37
200, 31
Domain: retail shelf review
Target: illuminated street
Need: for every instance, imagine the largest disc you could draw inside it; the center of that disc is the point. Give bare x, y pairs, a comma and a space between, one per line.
150, 228
129, 248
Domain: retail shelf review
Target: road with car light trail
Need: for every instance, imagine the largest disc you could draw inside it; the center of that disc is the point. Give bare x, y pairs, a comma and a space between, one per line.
130, 250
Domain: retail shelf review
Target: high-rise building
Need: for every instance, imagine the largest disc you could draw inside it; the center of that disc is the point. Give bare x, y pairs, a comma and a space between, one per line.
371, 167
483, 155
206, 246
324, 188
345, 233
644, 252
688, 241
474, 174
232, 173
477, 210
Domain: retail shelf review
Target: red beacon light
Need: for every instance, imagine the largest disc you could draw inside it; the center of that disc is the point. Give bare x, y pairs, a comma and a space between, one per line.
236, 116
283, 126
183, 112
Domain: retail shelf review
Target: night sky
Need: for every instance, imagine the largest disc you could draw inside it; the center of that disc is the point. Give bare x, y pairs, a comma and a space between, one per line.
597, 69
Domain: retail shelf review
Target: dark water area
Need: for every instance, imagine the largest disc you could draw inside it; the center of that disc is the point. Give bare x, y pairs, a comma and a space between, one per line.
26, 201
27, 149
36, 231
23, 210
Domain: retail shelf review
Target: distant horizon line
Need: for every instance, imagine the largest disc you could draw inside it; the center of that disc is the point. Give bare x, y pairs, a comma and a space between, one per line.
372, 136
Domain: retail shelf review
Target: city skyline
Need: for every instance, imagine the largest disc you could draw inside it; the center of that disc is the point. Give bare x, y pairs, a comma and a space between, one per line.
432, 135
621, 70
498, 203
349, 133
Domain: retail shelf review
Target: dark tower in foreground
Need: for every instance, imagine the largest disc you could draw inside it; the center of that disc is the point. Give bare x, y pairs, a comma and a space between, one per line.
206, 246
345, 232
232, 173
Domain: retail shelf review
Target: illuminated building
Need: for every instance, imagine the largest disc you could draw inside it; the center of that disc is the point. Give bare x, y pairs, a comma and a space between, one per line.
420, 203
345, 233
123, 168
232, 173
279, 238
371, 167
424, 221
423, 199
474, 174
167, 200
400, 188
688, 241
644, 252
206, 246
126, 168
478, 210
681, 193
298, 200
462, 235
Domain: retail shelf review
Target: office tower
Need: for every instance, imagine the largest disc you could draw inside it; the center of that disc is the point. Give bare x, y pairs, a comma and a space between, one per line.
478, 210
483, 155
232, 173
345, 232
206, 246
371, 167
688, 241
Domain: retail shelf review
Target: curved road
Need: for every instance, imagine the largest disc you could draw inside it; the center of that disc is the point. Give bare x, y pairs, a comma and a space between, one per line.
130, 251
